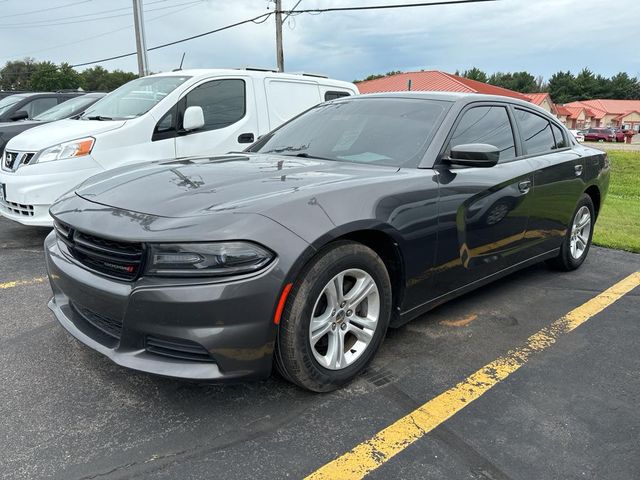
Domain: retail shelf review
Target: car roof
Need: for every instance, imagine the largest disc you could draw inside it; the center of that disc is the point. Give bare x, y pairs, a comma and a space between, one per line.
463, 97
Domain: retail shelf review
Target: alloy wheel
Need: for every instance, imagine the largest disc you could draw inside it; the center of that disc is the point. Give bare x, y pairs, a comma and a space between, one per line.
580, 232
344, 319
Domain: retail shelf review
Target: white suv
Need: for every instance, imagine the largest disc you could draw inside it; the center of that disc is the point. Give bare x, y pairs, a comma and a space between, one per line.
168, 115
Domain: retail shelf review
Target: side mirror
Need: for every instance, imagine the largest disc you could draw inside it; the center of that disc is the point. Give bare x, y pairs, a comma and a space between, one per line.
193, 119
19, 115
474, 155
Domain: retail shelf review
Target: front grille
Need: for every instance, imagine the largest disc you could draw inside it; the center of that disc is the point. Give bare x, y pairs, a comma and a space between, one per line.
177, 348
113, 258
11, 160
17, 208
109, 326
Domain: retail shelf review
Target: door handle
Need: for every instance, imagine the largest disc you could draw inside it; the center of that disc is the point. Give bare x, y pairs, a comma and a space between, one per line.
578, 170
524, 186
246, 138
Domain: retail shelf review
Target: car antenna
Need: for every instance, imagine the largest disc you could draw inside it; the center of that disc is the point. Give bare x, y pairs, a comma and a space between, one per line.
181, 61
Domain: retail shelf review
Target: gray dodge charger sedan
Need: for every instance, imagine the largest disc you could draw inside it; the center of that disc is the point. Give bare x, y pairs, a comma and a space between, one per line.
360, 214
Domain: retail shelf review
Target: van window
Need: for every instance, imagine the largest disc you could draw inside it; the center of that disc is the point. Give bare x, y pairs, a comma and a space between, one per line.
134, 98
333, 95
223, 102
536, 132
486, 125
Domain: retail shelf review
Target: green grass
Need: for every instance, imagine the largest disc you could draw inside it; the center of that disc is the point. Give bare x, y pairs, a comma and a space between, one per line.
618, 225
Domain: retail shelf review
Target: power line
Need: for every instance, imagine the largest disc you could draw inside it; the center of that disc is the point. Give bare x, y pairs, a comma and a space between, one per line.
262, 18
46, 9
75, 42
384, 7
93, 17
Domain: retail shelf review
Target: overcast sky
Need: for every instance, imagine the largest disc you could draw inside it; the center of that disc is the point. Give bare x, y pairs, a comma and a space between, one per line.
540, 36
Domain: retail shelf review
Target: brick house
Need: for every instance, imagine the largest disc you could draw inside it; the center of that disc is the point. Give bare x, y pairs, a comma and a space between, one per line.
612, 113
543, 100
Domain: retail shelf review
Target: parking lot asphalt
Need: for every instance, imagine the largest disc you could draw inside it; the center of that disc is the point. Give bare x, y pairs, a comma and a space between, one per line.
570, 411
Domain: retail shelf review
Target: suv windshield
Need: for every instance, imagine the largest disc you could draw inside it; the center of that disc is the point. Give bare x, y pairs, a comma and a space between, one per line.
7, 102
134, 98
65, 109
382, 131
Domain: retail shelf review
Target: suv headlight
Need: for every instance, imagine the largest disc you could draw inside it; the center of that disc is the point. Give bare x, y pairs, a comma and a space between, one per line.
75, 148
206, 259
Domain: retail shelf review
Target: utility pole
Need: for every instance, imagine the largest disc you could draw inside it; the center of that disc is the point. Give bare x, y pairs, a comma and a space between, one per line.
141, 40
279, 49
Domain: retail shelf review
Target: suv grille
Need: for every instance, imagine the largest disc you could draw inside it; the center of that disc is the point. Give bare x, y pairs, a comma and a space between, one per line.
177, 348
112, 258
12, 160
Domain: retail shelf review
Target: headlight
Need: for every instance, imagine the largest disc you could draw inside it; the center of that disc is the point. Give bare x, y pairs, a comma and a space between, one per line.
206, 259
75, 148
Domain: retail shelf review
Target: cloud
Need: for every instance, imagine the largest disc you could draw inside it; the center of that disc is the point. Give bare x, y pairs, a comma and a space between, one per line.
541, 36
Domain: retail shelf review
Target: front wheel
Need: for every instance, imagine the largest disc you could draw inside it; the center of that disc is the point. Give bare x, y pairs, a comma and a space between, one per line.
335, 318
577, 241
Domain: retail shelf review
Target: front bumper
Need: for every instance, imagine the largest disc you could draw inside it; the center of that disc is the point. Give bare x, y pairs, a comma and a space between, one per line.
230, 322
28, 196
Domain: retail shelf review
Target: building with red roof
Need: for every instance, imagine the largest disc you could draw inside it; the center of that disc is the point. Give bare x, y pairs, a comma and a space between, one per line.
433, 80
543, 100
612, 113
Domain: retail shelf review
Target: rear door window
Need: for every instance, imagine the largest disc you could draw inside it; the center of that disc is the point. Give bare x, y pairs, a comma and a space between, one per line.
559, 137
333, 95
536, 132
487, 124
39, 105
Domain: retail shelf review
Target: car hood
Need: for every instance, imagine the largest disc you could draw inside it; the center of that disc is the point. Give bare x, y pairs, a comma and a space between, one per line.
44, 136
250, 183
11, 128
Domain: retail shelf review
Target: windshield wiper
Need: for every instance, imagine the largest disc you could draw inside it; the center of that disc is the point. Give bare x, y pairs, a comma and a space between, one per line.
306, 155
98, 117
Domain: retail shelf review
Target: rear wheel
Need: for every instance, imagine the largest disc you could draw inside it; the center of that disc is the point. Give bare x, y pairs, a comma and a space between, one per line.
577, 242
335, 318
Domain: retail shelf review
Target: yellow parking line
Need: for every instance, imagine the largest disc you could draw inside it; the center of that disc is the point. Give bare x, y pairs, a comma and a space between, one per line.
20, 283
387, 443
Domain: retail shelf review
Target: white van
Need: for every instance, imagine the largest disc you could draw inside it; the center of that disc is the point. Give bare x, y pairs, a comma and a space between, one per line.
168, 115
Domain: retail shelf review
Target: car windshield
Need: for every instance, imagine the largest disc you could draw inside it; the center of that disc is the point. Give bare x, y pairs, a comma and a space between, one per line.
7, 102
66, 109
134, 98
382, 131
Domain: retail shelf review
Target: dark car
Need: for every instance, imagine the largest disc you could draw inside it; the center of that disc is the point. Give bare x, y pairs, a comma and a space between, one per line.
600, 135
360, 214
68, 109
22, 106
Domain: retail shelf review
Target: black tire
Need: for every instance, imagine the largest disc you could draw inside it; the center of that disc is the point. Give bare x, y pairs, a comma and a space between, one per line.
565, 261
294, 356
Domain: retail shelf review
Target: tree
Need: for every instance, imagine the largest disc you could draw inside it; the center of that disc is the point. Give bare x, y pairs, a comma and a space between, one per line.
519, 81
586, 85
475, 74
562, 87
15, 75
622, 86
47, 76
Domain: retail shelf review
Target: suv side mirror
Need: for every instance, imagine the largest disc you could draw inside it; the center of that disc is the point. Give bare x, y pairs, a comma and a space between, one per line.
19, 115
474, 155
193, 118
